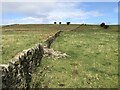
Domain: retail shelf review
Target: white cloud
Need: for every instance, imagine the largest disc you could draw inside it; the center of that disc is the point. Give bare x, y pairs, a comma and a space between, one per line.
24, 20
49, 12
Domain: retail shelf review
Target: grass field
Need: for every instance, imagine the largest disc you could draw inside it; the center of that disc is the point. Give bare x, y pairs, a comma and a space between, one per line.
93, 61
19, 37
93, 52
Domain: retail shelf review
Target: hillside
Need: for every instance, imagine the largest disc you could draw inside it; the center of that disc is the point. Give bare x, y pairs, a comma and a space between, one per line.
16, 38
92, 51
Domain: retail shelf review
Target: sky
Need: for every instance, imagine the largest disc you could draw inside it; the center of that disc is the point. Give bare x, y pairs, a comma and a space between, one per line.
50, 12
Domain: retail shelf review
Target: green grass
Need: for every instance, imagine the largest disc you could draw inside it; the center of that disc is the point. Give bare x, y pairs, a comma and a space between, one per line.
43, 27
93, 62
19, 37
93, 51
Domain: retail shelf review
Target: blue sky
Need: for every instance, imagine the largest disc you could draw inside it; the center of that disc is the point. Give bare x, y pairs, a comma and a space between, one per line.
48, 12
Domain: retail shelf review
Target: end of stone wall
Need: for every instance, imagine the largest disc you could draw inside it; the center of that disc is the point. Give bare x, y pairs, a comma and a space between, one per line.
19, 70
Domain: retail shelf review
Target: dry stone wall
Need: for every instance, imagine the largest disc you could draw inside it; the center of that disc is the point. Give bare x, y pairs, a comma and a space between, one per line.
51, 39
19, 71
